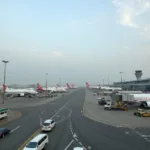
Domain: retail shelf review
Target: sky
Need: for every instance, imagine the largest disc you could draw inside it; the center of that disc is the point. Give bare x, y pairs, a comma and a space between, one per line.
75, 40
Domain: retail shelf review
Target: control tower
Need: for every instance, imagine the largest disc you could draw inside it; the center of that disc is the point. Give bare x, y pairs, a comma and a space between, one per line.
138, 74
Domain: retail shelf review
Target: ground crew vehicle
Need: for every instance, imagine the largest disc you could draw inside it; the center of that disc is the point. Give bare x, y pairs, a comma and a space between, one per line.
101, 101
118, 105
3, 112
142, 113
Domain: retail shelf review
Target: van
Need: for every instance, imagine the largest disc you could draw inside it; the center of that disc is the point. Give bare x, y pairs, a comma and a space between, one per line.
37, 143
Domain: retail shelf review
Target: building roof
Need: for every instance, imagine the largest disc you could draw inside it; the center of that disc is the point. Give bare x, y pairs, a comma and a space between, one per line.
132, 81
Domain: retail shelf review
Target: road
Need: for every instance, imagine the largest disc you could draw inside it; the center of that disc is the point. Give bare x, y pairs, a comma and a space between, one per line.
72, 129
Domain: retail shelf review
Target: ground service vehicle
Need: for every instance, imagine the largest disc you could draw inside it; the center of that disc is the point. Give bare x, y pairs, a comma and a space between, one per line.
116, 106
101, 101
142, 113
3, 112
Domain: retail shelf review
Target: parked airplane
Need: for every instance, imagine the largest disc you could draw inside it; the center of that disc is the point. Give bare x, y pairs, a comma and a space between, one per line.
52, 89
73, 86
107, 88
19, 92
143, 98
92, 87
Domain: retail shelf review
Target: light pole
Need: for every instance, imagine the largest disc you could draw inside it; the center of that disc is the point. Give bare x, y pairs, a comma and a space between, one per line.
5, 62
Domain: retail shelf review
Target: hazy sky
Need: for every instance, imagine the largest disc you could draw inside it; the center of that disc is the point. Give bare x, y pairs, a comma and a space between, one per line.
77, 40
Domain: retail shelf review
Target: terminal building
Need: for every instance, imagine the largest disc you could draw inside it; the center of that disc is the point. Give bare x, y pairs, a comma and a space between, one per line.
138, 84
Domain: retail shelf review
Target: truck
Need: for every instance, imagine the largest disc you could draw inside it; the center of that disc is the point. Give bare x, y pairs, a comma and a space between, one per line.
142, 113
101, 101
118, 105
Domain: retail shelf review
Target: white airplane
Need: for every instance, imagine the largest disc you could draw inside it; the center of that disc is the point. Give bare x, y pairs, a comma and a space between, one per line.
143, 99
102, 87
73, 86
52, 89
19, 92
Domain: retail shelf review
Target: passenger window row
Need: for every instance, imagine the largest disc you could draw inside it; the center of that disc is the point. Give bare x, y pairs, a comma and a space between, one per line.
42, 140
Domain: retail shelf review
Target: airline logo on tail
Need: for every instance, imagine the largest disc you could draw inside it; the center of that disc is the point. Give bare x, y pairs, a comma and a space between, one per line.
4, 87
87, 85
68, 86
39, 87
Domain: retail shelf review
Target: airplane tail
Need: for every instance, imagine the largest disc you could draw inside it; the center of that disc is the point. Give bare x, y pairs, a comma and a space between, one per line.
39, 87
87, 85
68, 86
99, 86
72, 85
57, 85
4, 87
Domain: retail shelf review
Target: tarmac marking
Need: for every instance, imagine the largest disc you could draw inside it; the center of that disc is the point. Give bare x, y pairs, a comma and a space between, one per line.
42, 112
39, 130
59, 110
127, 132
14, 129
74, 135
31, 137
69, 145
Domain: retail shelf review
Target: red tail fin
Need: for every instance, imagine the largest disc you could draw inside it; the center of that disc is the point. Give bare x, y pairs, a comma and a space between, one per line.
4, 87
39, 87
68, 86
87, 84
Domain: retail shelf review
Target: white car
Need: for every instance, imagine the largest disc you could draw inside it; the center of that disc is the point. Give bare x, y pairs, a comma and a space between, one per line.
78, 148
38, 143
48, 125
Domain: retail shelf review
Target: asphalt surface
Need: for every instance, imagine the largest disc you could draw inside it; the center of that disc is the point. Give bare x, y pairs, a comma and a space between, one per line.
72, 128
113, 117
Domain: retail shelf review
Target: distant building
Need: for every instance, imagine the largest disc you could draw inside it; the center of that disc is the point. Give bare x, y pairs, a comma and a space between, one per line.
139, 84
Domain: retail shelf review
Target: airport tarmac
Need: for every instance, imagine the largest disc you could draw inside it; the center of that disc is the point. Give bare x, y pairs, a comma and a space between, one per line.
20, 102
113, 117
72, 128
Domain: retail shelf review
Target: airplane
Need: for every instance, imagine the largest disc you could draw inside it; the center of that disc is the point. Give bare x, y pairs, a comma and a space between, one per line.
143, 99
73, 86
40, 88
52, 89
103, 87
19, 92
92, 87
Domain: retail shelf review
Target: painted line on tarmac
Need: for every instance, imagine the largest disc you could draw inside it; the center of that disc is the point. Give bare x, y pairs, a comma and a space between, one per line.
31, 137
15, 129
69, 145
39, 130
59, 110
